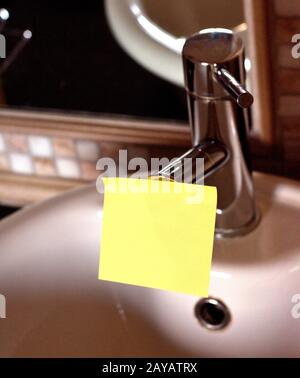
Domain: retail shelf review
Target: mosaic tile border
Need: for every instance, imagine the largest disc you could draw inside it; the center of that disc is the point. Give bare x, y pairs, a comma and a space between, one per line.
68, 158
48, 156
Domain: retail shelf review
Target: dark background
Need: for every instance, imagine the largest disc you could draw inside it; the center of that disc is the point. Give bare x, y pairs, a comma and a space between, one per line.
72, 63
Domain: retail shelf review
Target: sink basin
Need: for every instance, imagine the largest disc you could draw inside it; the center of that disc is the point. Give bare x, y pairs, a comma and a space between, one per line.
56, 306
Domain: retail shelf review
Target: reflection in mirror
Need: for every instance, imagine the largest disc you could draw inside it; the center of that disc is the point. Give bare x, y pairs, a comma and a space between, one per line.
63, 56
72, 63
153, 32
185, 17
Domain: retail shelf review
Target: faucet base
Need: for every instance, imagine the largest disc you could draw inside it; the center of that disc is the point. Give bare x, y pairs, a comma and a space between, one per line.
235, 232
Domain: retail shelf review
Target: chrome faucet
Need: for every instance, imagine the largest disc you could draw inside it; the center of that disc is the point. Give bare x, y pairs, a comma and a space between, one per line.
218, 106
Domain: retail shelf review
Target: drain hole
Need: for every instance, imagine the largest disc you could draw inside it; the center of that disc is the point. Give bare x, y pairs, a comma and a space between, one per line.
212, 313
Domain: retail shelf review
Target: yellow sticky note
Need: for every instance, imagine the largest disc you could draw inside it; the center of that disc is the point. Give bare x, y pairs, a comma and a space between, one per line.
158, 234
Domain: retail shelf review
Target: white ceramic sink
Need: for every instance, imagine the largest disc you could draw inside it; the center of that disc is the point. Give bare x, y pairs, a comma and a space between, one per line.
56, 306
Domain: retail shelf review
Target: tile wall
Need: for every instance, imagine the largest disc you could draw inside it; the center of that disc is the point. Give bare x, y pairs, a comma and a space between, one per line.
63, 157
46, 156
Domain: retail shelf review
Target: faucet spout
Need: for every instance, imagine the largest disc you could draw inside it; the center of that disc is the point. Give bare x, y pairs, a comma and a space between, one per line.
197, 164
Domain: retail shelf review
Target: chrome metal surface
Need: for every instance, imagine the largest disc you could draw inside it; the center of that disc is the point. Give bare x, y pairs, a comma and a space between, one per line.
218, 104
237, 91
214, 155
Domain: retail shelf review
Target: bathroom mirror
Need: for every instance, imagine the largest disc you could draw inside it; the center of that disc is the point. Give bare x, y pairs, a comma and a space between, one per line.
63, 56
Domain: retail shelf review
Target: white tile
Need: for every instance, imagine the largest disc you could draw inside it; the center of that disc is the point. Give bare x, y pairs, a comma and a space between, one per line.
88, 150
40, 146
2, 143
21, 163
68, 168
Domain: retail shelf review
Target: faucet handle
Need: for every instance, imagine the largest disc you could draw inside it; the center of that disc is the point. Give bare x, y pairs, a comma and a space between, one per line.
243, 98
213, 62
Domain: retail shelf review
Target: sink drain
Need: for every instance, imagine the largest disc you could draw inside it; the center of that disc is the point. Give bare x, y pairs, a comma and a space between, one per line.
212, 313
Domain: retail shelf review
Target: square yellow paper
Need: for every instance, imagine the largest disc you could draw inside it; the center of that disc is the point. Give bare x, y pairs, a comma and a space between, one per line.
158, 234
